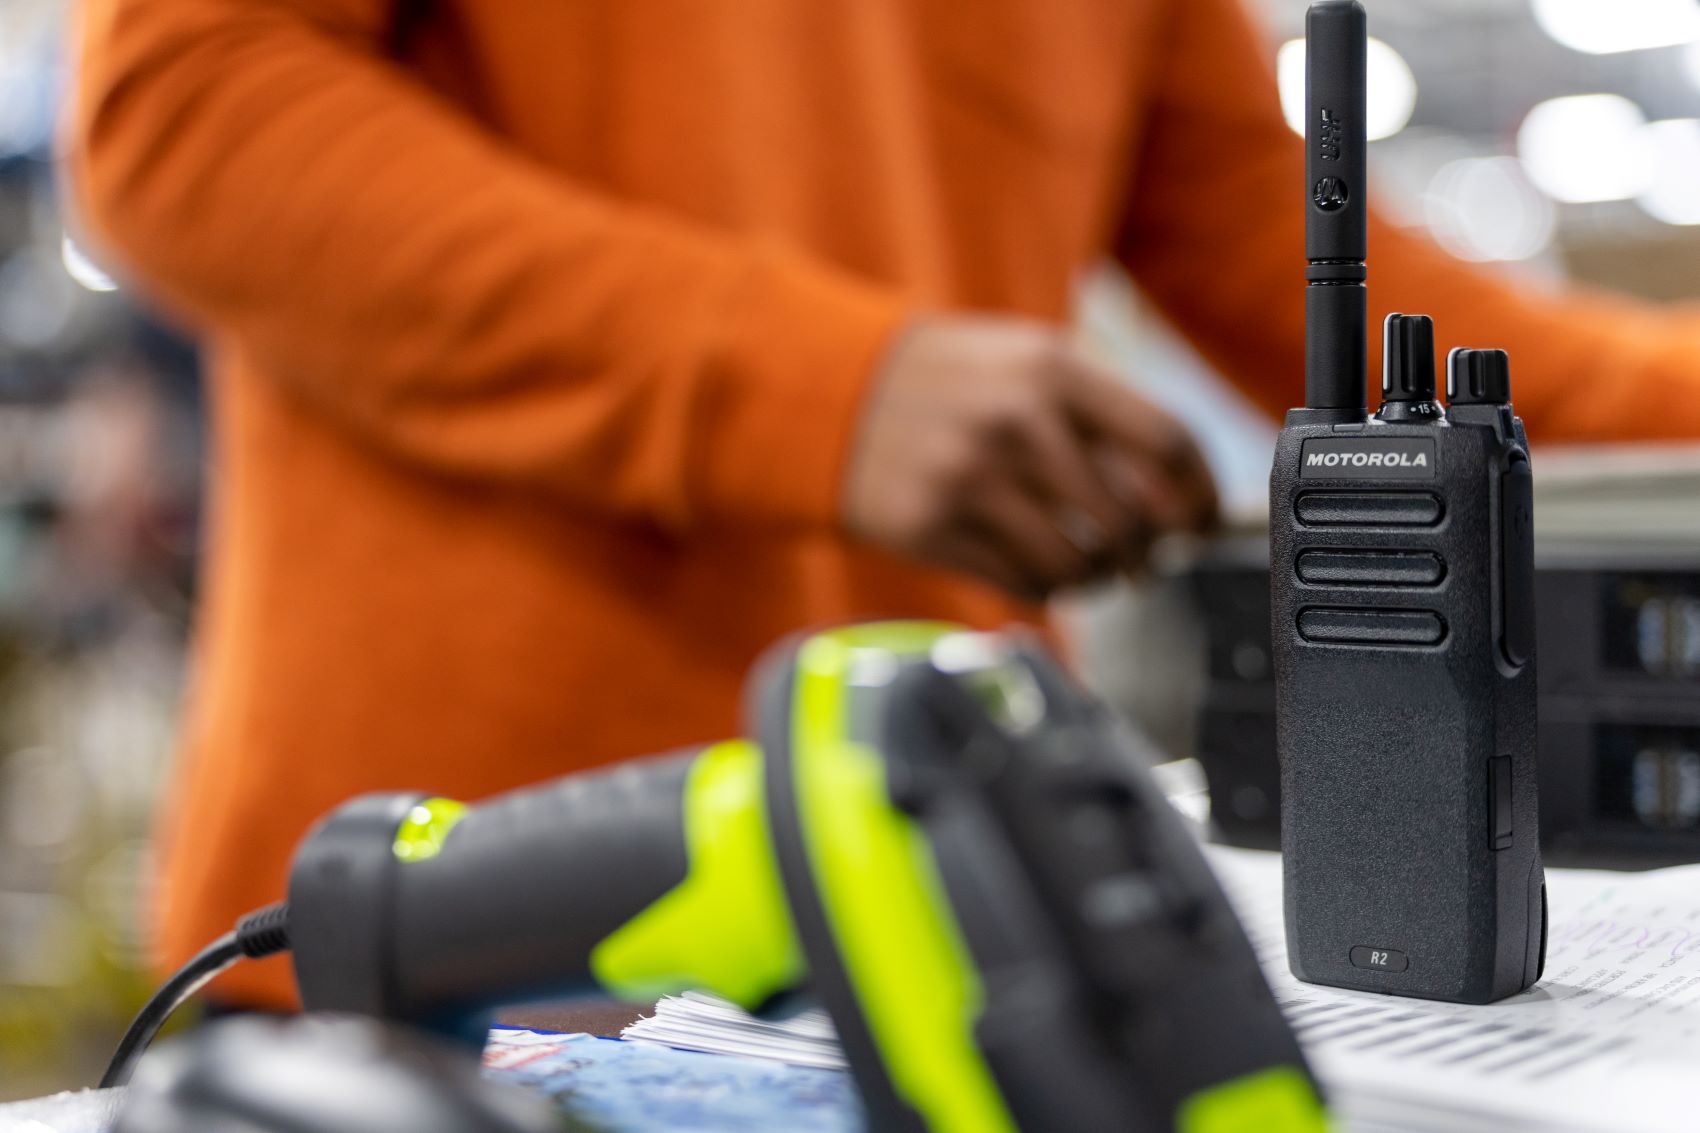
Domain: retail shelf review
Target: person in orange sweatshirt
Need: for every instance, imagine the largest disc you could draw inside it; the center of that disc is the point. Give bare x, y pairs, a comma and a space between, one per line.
566, 354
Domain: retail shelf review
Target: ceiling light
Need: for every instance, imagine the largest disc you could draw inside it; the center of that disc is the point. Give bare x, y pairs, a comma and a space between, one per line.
1590, 147
1674, 195
1602, 27
1392, 88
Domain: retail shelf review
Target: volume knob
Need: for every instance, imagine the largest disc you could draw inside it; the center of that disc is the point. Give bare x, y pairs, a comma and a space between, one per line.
1408, 360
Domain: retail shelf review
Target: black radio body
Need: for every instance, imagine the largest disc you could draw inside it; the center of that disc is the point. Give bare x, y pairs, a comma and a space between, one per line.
1401, 603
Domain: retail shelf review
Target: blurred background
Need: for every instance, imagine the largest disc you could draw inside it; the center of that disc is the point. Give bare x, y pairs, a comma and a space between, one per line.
1558, 139
99, 462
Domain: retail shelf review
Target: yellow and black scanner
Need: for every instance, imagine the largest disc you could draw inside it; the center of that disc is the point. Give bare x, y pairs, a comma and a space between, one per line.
931, 830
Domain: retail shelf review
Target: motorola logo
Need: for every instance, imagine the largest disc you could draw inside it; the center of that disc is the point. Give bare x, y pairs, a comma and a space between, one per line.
1331, 194
1368, 458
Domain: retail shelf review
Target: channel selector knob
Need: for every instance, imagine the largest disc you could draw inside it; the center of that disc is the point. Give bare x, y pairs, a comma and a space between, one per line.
1478, 377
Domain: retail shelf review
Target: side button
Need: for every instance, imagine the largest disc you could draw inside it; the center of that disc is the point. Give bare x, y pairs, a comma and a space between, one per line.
1379, 959
1499, 802
1517, 562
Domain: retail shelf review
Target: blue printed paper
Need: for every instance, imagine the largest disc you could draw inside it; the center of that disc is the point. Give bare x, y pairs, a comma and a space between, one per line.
624, 1087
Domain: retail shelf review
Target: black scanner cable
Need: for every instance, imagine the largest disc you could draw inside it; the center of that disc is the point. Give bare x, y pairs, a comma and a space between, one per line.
264, 932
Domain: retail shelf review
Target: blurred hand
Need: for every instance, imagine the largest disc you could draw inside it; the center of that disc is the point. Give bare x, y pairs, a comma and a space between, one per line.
989, 445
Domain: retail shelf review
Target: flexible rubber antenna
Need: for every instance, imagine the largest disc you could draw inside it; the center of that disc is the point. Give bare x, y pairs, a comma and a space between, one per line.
1336, 216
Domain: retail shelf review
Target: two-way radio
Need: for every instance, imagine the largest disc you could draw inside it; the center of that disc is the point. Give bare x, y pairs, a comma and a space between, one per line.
1401, 567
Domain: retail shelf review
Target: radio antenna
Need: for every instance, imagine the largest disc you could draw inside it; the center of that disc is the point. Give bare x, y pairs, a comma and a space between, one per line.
1336, 216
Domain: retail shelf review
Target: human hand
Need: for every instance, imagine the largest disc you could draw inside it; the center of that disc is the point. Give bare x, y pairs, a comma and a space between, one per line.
989, 445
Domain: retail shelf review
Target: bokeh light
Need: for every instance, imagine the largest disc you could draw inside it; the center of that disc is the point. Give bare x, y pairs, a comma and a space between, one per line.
1484, 209
1604, 27
1590, 147
82, 269
1674, 194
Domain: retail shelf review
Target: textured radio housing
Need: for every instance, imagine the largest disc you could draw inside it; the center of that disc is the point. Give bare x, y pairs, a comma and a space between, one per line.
1408, 775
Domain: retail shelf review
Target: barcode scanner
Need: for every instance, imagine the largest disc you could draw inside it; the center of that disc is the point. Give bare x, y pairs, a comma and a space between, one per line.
933, 831
1401, 580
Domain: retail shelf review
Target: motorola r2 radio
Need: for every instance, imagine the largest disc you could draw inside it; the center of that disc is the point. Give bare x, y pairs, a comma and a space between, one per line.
1401, 566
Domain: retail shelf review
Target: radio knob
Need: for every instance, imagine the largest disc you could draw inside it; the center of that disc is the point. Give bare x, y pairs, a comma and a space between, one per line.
1407, 374
1408, 365
1478, 377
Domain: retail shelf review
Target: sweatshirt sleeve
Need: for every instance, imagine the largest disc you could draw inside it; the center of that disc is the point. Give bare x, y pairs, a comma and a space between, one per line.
1215, 235
267, 173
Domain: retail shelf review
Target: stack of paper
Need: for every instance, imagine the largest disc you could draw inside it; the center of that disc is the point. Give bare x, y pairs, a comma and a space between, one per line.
695, 1021
1608, 1042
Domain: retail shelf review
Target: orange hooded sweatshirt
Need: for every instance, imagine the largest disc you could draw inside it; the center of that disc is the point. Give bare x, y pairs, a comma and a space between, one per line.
539, 329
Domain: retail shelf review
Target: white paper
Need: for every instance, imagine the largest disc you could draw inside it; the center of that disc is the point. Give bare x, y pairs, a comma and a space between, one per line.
1608, 1040
696, 1021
